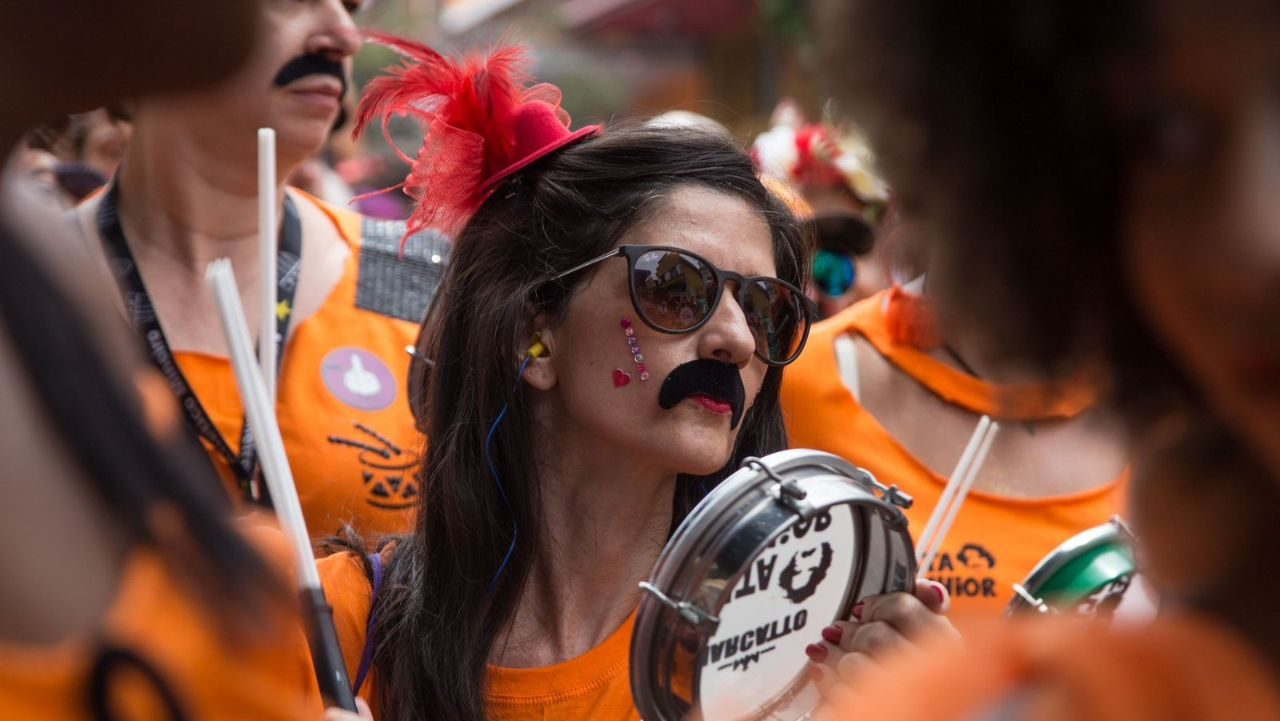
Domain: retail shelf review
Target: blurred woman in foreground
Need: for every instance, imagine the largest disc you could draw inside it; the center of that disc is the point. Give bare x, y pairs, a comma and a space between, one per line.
1138, 148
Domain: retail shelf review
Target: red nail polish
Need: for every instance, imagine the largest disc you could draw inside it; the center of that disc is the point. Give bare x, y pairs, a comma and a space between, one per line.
857, 610
816, 652
832, 634
942, 594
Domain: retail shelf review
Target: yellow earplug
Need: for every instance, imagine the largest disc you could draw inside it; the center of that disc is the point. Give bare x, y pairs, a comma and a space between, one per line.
537, 349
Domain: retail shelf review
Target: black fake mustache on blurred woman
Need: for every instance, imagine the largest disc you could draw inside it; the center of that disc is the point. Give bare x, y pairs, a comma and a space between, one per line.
705, 376
315, 64
311, 64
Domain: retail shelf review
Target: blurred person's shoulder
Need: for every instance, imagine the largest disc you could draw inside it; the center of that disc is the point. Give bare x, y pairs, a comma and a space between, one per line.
1059, 669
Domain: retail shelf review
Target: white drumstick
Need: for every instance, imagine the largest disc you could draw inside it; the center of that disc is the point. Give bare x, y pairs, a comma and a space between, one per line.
925, 540
262, 420
970, 476
322, 635
267, 254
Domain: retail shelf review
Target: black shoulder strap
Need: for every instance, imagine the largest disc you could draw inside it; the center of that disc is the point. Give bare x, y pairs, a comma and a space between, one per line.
142, 315
114, 662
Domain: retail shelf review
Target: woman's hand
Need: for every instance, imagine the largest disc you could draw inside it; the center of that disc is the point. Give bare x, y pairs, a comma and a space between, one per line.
337, 714
892, 623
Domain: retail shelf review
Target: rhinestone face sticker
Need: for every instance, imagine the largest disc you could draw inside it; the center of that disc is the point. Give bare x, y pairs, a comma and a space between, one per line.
633, 346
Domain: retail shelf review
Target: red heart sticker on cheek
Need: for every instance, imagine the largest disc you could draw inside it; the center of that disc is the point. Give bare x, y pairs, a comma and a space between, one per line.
620, 378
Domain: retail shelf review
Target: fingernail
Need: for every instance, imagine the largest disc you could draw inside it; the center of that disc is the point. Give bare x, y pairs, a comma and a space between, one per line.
942, 594
816, 652
832, 634
857, 610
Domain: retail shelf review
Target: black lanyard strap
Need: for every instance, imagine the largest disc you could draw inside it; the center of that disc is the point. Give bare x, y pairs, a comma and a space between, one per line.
142, 314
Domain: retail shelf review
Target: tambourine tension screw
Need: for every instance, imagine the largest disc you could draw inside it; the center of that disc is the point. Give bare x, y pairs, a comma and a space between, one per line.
690, 613
788, 487
1036, 603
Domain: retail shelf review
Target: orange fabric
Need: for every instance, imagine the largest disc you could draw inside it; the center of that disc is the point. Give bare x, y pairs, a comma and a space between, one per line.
1176, 669
996, 540
595, 686
255, 678
910, 320
351, 465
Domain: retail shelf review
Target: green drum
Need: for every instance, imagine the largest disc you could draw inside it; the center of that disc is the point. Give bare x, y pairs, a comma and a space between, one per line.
1092, 574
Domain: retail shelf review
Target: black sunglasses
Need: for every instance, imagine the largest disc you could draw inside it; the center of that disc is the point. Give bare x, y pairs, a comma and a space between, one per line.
675, 291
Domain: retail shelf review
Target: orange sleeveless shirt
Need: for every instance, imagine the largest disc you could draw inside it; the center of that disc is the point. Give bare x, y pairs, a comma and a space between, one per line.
256, 678
595, 686
342, 406
996, 540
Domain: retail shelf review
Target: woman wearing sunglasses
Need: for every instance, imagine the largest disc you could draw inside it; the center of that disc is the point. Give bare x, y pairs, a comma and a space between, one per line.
608, 345
829, 174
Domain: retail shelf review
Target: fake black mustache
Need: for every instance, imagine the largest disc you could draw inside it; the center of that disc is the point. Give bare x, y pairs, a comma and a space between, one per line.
310, 64
713, 379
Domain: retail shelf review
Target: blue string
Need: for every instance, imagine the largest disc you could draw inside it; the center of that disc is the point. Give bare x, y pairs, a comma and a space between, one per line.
493, 470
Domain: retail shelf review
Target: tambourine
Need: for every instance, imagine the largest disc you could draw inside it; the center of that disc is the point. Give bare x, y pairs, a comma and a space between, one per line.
1093, 573
783, 547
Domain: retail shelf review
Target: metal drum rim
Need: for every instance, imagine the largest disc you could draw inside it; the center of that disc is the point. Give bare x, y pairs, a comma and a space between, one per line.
1087, 540
672, 571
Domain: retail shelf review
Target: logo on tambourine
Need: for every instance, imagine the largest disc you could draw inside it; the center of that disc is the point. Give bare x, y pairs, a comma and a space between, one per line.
815, 574
786, 594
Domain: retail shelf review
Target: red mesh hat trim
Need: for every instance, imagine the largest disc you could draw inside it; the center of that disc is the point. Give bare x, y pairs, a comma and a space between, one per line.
480, 123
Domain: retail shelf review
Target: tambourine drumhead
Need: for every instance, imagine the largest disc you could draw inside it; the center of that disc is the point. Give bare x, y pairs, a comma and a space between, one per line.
782, 548
1092, 573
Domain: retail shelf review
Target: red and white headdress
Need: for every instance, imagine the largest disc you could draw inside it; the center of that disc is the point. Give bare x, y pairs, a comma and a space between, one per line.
483, 120
819, 155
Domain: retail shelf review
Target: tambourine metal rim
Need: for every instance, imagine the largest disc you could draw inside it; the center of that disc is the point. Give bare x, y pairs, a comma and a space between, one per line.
713, 547
1028, 595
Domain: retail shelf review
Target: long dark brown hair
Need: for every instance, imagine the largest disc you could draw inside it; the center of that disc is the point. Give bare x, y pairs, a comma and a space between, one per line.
437, 613
1010, 126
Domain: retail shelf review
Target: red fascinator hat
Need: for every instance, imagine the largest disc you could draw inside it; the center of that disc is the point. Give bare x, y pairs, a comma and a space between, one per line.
483, 120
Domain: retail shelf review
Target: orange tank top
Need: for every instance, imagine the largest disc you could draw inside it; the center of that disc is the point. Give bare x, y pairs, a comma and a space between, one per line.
1176, 669
156, 620
342, 406
595, 686
996, 540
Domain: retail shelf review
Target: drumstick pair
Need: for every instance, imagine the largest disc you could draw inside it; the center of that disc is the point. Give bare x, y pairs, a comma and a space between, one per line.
257, 391
953, 496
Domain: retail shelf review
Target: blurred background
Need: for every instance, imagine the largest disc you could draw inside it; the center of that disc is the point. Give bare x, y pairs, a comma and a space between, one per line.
731, 60
750, 66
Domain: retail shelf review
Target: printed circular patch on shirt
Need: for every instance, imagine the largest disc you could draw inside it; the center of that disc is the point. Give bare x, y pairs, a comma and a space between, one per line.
358, 378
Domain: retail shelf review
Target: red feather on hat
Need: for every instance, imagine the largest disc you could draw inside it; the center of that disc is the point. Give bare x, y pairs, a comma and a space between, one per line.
467, 108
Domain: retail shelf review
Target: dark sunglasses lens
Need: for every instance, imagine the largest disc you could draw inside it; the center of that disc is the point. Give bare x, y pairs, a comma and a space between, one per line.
777, 318
674, 291
834, 273
845, 234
